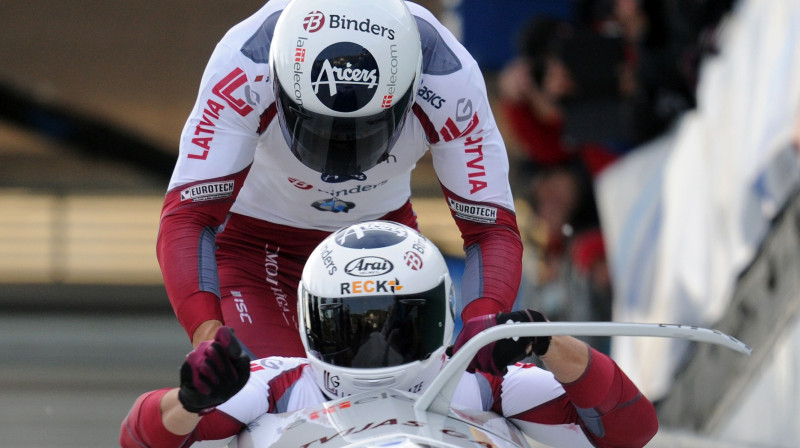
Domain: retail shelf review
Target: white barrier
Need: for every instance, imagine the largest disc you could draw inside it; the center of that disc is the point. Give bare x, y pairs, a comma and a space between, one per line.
685, 215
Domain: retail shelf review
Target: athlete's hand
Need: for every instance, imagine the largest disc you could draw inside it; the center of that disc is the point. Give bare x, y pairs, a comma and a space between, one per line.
213, 372
497, 356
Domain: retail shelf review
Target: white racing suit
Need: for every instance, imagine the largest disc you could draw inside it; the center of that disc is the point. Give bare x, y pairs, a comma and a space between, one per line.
602, 408
242, 213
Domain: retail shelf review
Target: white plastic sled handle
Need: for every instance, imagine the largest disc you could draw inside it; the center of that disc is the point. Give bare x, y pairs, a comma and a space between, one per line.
439, 394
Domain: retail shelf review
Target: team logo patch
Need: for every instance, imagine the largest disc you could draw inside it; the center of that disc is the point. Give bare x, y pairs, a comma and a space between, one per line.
334, 205
227, 87
364, 26
331, 382
413, 260
314, 21
208, 191
371, 287
330, 409
430, 97
327, 260
387, 101
344, 77
368, 267
472, 212
371, 235
299, 184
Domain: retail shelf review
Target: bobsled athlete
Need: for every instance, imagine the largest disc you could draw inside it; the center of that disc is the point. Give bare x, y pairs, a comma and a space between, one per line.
311, 115
376, 313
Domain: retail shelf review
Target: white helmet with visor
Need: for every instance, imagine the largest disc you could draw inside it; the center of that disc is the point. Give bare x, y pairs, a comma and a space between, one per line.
375, 303
345, 73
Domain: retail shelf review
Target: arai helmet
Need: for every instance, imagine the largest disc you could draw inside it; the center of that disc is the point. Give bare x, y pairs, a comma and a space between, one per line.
345, 73
375, 303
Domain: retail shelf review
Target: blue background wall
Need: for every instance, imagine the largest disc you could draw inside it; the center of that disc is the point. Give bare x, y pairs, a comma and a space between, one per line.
490, 27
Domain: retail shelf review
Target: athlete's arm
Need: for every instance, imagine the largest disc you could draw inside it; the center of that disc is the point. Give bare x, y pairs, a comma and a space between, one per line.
612, 410
473, 172
567, 358
210, 375
471, 162
174, 417
597, 396
143, 426
186, 249
217, 147
493, 263
157, 419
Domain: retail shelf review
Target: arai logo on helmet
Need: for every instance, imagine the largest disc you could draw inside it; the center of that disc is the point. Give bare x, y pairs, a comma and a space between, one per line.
368, 266
344, 76
370, 235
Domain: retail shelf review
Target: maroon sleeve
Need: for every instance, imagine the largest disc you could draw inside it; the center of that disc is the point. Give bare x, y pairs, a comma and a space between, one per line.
143, 428
186, 244
612, 410
493, 261
604, 402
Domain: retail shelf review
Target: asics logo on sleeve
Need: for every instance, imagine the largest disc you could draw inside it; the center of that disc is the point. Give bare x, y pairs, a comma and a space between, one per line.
431, 97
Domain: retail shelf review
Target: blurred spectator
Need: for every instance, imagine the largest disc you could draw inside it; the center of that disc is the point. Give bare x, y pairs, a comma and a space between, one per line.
589, 290
561, 99
667, 39
542, 94
580, 95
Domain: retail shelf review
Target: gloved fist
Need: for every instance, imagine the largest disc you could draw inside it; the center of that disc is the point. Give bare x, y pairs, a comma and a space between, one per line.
213, 372
497, 356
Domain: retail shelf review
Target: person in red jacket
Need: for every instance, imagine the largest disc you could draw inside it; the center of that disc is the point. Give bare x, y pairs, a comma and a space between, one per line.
311, 115
383, 319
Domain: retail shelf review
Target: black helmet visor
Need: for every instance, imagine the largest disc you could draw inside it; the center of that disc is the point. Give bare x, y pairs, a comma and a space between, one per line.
375, 331
340, 146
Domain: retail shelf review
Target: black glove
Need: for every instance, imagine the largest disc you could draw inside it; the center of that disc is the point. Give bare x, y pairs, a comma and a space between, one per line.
213, 372
497, 356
